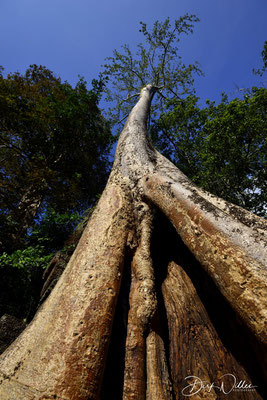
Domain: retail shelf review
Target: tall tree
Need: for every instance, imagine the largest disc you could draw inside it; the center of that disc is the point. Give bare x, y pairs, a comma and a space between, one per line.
221, 148
137, 313
196, 140
54, 149
64, 351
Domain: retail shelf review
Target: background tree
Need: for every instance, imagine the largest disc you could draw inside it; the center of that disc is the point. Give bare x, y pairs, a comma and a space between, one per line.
54, 149
45, 128
221, 148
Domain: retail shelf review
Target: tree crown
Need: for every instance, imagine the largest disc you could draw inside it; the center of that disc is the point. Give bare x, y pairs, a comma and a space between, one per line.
157, 61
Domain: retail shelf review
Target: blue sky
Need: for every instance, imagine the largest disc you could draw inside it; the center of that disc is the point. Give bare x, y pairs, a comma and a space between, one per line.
73, 37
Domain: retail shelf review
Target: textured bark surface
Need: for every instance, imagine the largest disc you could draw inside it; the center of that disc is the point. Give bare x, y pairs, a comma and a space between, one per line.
165, 294
195, 346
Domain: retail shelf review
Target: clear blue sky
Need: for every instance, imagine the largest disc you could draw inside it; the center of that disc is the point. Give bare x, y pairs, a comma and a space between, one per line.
73, 37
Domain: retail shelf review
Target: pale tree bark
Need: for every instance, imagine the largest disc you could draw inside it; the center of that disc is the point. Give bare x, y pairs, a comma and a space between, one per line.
167, 283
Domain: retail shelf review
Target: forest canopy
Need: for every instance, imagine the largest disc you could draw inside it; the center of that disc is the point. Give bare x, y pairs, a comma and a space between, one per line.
54, 152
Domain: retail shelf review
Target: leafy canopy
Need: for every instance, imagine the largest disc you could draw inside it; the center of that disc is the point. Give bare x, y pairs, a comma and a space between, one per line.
261, 71
53, 229
54, 134
54, 146
157, 61
54, 160
222, 148
21, 280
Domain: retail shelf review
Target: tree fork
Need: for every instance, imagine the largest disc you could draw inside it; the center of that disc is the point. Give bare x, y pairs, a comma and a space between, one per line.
62, 353
222, 245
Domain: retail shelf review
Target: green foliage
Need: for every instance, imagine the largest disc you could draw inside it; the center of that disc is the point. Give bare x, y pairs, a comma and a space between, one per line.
27, 259
264, 60
54, 149
221, 148
21, 280
177, 133
22, 270
157, 61
55, 133
53, 229
54, 146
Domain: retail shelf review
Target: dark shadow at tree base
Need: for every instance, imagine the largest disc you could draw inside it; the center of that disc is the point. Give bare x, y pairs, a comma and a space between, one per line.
238, 340
112, 385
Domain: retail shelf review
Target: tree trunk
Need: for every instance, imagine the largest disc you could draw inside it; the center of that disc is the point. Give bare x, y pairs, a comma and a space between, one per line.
164, 296
26, 212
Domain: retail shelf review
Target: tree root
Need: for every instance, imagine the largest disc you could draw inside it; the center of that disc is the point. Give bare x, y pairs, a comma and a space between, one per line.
142, 307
